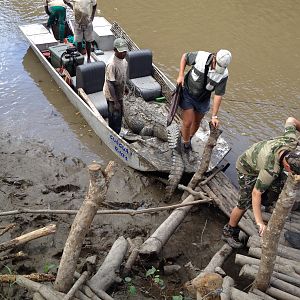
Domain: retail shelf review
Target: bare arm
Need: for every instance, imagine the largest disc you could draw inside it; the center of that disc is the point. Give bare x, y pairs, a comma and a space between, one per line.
215, 110
256, 205
180, 79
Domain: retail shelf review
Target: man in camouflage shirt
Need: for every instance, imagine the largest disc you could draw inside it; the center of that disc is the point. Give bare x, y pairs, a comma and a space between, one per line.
261, 173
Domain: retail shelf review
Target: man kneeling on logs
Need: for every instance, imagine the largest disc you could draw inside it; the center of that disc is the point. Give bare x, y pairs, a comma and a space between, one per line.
261, 177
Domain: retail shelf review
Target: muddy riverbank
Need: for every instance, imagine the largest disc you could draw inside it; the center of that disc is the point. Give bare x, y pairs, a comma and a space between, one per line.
33, 177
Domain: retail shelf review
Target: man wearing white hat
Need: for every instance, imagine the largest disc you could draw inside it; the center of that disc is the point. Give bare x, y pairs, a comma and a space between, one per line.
208, 73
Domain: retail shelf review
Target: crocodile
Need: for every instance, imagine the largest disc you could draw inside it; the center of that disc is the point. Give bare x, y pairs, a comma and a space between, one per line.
147, 119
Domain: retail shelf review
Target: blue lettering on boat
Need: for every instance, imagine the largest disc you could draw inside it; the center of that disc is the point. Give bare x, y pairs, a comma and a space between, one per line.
121, 149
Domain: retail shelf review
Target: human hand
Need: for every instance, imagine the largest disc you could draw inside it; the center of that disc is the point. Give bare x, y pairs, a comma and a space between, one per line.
215, 122
180, 80
261, 228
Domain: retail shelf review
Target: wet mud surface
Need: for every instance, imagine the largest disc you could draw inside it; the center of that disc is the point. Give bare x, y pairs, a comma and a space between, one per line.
33, 177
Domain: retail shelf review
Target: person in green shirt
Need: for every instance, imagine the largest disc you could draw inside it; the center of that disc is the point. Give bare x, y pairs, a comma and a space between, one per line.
261, 173
56, 10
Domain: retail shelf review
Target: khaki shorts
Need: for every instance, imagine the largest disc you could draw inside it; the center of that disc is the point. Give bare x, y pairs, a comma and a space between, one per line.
83, 31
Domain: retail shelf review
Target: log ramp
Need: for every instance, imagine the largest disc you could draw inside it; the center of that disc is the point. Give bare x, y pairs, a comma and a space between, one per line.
211, 283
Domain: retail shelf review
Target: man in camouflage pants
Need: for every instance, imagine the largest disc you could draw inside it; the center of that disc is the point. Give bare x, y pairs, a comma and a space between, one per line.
261, 177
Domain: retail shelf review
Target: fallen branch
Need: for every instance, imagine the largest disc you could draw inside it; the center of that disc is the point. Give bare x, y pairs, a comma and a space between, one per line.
36, 277
7, 228
45, 291
80, 281
131, 212
50, 229
14, 255
193, 192
87, 288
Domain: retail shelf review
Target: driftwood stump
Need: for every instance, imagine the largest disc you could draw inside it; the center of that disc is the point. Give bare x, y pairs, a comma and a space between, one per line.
273, 231
81, 225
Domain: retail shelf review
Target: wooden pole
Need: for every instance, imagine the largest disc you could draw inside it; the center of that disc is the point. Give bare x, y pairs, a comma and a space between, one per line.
206, 157
80, 227
50, 229
272, 234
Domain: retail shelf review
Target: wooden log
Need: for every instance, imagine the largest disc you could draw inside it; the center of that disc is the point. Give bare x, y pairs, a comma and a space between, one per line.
130, 262
228, 282
273, 231
87, 291
280, 295
243, 260
295, 280
107, 273
7, 228
45, 291
20, 254
50, 229
80, 281
283, 251
206, 157
153, 245
38, 296
257, 252
36, 277
87, 288
236, 294
250, 272
81, 225
81, 296
262, 295
223, 205
216, 261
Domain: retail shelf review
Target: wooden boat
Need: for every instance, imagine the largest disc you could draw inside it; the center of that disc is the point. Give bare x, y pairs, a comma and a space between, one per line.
148, 154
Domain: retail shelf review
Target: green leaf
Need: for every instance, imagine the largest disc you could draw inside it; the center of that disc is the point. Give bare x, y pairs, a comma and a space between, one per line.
132, 290
156, 280
48, 267
150, 272
127, 279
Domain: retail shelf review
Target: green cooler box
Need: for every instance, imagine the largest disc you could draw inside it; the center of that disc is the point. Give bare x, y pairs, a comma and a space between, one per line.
68, 60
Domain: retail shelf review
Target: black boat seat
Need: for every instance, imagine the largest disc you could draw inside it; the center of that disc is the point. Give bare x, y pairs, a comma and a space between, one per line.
140, 72
90, 77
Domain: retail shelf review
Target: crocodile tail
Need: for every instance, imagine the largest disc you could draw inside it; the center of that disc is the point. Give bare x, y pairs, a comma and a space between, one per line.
177, 167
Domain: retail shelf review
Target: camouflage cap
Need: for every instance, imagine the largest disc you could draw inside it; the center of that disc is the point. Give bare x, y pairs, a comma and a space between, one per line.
293, 159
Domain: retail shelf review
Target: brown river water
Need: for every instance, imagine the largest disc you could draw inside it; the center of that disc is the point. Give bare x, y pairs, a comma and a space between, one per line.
263, 89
